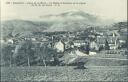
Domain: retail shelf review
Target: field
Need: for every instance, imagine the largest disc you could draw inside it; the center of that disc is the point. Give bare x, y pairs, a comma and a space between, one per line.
113, 68
92, 73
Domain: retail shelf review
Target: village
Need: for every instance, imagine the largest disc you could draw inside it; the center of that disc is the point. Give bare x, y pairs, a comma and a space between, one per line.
64, 40
87, 42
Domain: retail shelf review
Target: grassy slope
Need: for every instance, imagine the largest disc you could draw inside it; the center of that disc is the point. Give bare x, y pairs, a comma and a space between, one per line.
93, 73
98, 70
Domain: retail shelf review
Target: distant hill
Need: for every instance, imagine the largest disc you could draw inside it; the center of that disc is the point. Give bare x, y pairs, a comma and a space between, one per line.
120, 25
73, 20
72, 15
22, 26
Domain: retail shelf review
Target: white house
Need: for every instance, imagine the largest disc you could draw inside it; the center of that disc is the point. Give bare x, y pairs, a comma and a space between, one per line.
33, 39
92, 53
79, 43
10, 41
59, 46
94, 46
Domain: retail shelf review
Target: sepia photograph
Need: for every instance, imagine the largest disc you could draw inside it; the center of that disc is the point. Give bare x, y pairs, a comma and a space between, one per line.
64, 40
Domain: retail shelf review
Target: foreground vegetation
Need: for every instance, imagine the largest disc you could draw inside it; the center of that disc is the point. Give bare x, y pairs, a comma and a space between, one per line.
64, 73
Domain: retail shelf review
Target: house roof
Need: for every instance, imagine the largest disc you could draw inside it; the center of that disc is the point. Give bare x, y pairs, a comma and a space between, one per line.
110, 33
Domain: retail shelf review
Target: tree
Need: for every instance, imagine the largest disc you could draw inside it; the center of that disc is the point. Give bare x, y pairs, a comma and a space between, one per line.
101, 48
28, 50
87, 48
7, 54
25, 54
47, 54
107, 47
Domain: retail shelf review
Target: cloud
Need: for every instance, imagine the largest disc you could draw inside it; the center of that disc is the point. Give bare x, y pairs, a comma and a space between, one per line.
107, 9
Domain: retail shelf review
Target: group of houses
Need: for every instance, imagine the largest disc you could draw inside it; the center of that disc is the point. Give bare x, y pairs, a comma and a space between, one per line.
112, 38
61, 42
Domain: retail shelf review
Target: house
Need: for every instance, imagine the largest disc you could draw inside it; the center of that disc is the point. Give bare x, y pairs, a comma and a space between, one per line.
69, 44
113, 46
122, 41
94, 45
59, 46
91, 53
112, 41
101, 40
79, 42
10, 41
33, 39
71, 36
113, 33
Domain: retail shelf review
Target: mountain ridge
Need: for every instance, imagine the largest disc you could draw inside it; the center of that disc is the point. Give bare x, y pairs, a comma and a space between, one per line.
69, 22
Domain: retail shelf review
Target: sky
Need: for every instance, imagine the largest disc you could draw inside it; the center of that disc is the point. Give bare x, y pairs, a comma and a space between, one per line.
106, 9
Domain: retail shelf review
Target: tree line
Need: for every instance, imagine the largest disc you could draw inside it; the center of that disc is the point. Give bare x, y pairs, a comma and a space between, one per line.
27, 53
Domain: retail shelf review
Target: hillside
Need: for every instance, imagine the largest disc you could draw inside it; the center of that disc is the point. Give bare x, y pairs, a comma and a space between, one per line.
74, 20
